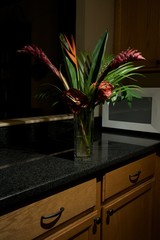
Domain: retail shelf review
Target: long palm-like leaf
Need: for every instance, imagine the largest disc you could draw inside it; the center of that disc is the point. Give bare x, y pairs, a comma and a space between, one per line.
124, 71
97, 57
84, 66
71, 73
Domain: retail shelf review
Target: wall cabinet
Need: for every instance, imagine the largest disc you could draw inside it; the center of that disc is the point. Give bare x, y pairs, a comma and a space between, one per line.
137, 25
118, 205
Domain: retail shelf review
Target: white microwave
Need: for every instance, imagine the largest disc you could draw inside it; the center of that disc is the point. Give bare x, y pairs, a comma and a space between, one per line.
144, 115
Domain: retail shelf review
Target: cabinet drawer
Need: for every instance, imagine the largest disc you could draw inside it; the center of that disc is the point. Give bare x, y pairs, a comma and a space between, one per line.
26, 223
128, 175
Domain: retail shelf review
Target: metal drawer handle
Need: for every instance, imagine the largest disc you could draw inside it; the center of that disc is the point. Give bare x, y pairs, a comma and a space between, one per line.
54, 214
52, 223
134, 177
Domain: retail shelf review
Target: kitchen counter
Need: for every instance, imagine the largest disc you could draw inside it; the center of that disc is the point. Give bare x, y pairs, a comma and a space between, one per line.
27, 175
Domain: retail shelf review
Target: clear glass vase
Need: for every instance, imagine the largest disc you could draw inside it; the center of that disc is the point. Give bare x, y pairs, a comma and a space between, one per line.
83, 134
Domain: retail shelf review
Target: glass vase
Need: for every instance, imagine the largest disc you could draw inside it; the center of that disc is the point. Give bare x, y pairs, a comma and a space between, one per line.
83, 134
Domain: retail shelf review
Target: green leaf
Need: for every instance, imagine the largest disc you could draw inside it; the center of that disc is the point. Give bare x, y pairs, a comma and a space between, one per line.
129, 94
49, 91
71, 73
126, 92
84, 62
97, 57
126, 70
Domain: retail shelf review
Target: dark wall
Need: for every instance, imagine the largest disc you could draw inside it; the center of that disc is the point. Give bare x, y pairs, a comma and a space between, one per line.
24, 22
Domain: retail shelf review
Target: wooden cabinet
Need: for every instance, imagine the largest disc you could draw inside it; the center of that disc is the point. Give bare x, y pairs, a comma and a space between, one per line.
61, 215
127, 210
116, 206
82, 229
127, 176
137, 25
156, 206
130, 215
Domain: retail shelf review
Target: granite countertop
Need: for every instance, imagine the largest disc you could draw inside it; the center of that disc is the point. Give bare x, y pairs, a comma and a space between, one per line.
27, 175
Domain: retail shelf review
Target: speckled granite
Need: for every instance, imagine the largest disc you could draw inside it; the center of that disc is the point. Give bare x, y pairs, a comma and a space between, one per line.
27, 175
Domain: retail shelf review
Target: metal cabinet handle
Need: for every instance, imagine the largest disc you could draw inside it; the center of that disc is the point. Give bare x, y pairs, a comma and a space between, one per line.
134, 177
109, 214
53, 222
54, 214
97, 221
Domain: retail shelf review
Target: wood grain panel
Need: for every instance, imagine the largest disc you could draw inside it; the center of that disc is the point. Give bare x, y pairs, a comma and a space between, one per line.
25, 223
118, 180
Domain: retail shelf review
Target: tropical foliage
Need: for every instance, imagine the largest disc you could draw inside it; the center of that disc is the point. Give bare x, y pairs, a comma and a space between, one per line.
90, 79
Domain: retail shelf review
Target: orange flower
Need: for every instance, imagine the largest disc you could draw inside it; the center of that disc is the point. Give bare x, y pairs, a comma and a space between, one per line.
71, 50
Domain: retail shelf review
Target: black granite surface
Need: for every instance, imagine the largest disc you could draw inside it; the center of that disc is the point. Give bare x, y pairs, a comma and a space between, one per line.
27, 175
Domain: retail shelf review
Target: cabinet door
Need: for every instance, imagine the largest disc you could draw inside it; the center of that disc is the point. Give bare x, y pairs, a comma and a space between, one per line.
137, 26
156, 206
129, 216
84, 229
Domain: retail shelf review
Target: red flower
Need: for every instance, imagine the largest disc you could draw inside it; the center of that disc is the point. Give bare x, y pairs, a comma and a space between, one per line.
38, 53
104, 92
75, 99
126, 56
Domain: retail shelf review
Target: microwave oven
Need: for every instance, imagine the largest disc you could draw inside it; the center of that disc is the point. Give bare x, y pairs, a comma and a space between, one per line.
143, 115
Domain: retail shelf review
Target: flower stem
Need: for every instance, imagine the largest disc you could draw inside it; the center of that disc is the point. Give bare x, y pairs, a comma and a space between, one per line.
83, 133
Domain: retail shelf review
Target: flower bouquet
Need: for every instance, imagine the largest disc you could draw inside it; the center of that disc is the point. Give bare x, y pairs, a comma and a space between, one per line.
88, 80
